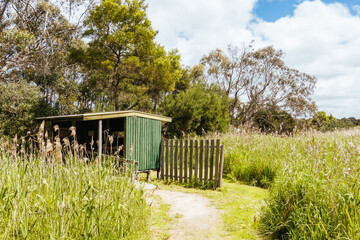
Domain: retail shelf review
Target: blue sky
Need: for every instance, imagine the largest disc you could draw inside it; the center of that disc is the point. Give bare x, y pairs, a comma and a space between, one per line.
272, 10
319, 37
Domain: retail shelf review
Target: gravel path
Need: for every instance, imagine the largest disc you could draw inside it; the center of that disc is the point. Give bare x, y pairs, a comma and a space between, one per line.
197, 218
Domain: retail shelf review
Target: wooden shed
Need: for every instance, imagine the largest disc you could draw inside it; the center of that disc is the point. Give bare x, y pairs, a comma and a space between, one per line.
138, 132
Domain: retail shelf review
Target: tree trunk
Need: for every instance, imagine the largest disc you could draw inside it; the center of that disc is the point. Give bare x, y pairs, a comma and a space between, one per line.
117, 99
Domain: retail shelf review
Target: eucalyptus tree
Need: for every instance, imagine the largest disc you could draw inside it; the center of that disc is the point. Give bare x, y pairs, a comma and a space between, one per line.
34, 46
122, 63
259, 80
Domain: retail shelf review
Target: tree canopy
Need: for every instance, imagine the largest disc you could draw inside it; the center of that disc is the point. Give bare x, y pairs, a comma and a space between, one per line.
258, 80
122, 58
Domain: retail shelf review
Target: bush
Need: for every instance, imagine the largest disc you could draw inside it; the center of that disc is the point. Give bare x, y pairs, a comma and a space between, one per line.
20, 104
275, 121
334, 124
199, 109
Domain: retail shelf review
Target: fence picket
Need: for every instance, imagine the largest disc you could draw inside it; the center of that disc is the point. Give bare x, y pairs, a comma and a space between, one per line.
201, 160
196, 159
171, 159
217, 159
186, 161
191, 160
206, 167
167, 159
221, 165
181, 162
176, 160
212, 160
162, 160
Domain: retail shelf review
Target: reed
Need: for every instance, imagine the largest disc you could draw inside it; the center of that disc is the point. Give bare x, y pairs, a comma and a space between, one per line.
313, 180
51, 190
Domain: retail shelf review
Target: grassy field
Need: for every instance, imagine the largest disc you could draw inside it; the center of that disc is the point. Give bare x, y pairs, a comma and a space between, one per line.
300, 187
313, 181
74, 201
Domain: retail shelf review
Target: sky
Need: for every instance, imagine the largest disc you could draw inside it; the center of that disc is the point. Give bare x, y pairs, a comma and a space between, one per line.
319, 37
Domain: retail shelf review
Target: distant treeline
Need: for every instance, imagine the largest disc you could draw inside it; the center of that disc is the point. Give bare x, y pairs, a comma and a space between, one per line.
282, 122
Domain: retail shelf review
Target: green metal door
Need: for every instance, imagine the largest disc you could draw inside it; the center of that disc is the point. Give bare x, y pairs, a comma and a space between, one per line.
143, 140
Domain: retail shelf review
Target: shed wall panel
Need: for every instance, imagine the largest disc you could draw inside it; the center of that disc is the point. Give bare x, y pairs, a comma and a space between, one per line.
144, 135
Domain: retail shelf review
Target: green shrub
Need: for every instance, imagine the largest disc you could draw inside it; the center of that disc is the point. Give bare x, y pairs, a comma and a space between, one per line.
199, 109
20, 104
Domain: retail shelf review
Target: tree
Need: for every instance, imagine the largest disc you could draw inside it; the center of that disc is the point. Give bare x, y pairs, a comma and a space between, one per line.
275, 120
259, 80
20, 103
122, 58
34, 47
199, 109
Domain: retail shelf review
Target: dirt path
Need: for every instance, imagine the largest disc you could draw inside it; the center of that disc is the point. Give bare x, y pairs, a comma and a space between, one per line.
197, 218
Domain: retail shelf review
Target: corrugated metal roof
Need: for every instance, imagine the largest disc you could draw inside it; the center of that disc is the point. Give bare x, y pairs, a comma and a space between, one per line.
107, 115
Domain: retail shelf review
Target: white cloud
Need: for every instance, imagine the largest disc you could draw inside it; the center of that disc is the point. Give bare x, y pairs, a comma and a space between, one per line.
356, 8
322, 40
319, 39
195, 27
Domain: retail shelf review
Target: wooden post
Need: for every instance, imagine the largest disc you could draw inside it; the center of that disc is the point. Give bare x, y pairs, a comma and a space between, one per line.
217, 160
191, 159
176, 159
100, 140
161, 160
221, 165
181, 162
206, 167
201, 164
167, 159
196, 159
186, 161
171, 159
212, 160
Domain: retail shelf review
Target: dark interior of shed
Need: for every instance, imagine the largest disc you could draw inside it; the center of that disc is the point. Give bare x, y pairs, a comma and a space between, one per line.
88, 130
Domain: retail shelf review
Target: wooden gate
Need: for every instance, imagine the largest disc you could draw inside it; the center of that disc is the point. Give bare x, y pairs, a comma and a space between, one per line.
201, 160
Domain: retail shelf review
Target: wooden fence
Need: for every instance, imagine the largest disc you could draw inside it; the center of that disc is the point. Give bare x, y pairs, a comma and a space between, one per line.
201, 160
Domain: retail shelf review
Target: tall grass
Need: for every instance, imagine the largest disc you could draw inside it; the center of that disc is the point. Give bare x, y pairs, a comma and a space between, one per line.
50, 190
254, 158
52, 201
313, 180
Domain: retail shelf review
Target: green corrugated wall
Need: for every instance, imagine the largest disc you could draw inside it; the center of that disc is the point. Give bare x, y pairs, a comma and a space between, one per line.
145, 136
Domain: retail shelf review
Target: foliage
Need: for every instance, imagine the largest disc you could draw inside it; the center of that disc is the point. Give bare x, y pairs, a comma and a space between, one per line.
322, 122
261, 77
20, 103
199, 109
34, 47
122, 61
275, 121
